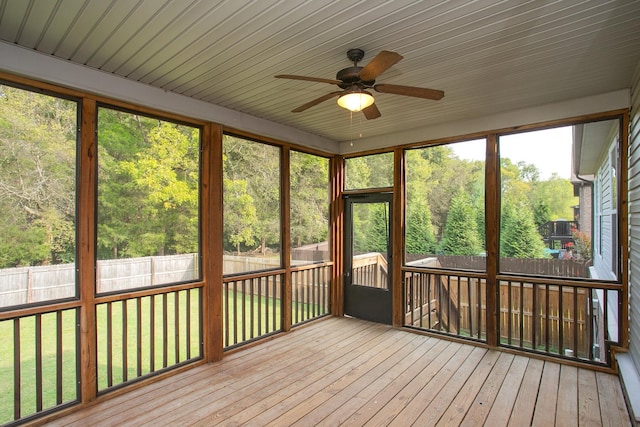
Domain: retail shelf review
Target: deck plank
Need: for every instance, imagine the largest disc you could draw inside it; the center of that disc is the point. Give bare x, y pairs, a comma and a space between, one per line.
289, 397
380, 397
430, 415
567, 405
250, 370
481, 405
546, 403
340, 371
525, 404
430, 379
372, 366
151, 395
468, 394
612, 406
349, 399
504, 402
256, 393
588, 399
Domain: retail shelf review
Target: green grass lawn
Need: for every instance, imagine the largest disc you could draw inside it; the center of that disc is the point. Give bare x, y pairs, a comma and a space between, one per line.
138, 360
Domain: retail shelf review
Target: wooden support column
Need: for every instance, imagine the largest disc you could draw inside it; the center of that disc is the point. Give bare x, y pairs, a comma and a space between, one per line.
86, 250
398, 236
211, 223
623, 227
285, 244
337, 229
492, 227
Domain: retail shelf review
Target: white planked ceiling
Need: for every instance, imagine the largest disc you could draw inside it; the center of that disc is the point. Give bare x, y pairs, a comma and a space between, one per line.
489, 57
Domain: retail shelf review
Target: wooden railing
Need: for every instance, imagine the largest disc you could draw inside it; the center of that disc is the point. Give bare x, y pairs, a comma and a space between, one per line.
370, 269
252, 306
39, 369
445, 302
253, 303
557, 317
141, 336
310, 292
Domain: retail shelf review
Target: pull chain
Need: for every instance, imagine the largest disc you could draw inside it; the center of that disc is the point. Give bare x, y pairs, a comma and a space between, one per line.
351, 128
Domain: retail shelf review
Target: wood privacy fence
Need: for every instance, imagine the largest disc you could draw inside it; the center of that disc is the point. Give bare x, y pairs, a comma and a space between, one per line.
26, 285
119, 274
534, 266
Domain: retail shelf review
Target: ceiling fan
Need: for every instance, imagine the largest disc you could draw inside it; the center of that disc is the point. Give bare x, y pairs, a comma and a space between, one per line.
354, 82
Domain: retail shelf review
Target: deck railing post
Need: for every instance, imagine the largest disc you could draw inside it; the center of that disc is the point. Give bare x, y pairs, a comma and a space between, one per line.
492, 209
86, 251
285, 215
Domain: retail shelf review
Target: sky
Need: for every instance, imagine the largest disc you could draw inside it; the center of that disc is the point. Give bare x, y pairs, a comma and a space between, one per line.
549, 150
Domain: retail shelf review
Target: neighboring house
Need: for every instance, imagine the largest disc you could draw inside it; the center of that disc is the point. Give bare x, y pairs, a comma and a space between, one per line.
597, 166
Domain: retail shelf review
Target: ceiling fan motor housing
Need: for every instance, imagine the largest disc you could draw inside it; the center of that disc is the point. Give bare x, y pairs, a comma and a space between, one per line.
350, 76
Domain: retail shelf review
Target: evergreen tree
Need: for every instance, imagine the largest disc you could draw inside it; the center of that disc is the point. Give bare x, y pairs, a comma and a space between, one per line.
519, 236
541, 213
378, 233
419, 235
460, 236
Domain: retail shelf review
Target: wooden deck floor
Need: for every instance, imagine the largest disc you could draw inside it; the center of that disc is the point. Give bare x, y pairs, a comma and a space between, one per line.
343, 371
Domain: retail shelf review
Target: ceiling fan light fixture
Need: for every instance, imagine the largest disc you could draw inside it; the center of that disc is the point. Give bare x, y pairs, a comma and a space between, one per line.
355, 100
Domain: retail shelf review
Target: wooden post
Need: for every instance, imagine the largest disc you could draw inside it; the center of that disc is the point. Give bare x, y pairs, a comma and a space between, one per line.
492, 227
285, 235
211, 220
623, 230
86, 251
337, 227
398, 237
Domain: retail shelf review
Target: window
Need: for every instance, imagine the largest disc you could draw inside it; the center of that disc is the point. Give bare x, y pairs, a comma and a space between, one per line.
148, 201
251, 205
309, 208
445, 222
372, 171
38, 140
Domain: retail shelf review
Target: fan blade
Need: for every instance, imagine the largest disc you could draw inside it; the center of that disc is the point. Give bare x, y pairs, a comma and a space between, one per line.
382, 62
309, 79
316, 101
418, 92
371, 112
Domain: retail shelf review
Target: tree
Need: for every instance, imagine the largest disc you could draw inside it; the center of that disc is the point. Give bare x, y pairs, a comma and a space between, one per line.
419, 235
378, 232
519, 237
257, 164
372, 171
460, 236
370, 227
240, 215
541, 213
309, 198
148, 186
557, 194
37, 177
